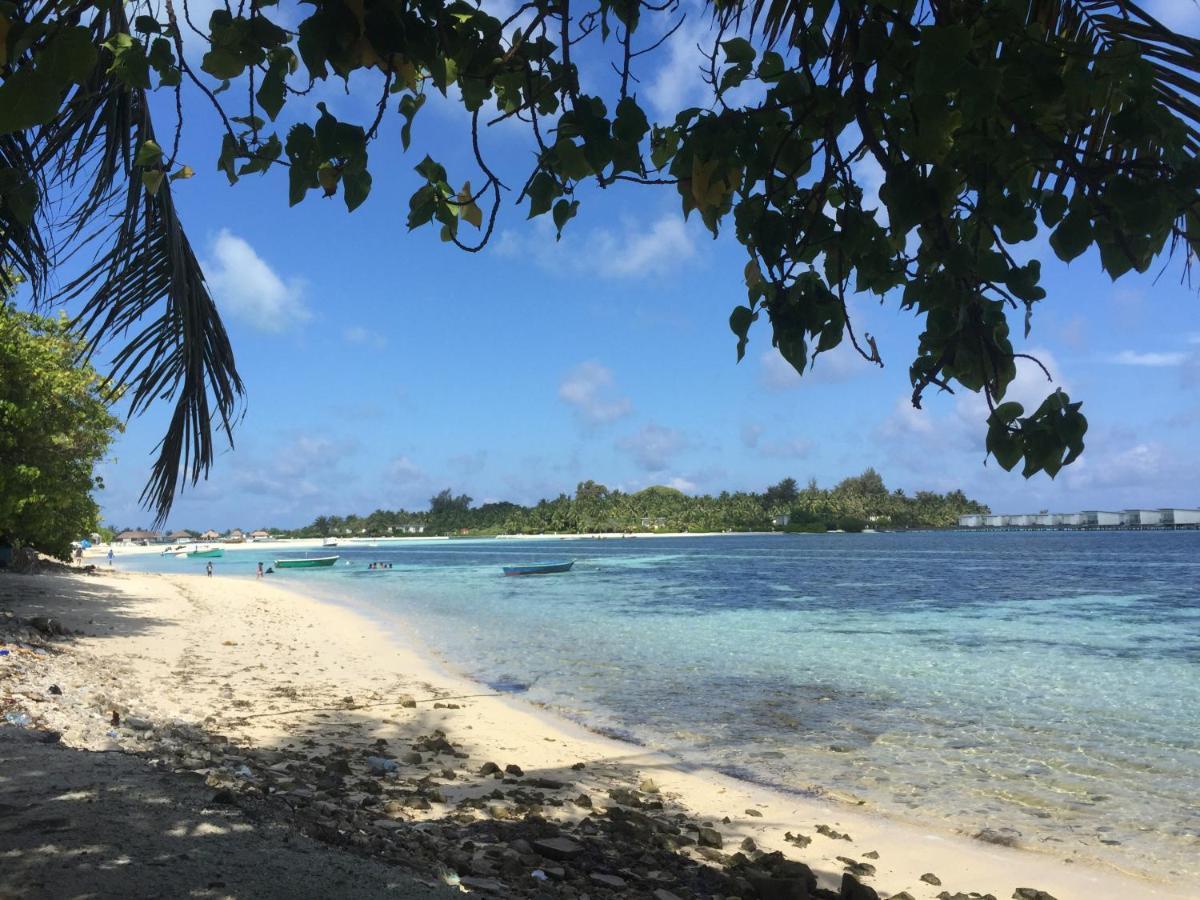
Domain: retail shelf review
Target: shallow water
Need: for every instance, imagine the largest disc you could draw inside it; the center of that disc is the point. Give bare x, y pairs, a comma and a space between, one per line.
1044, 682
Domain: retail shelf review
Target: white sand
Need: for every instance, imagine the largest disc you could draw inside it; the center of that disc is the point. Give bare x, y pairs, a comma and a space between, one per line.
236, 654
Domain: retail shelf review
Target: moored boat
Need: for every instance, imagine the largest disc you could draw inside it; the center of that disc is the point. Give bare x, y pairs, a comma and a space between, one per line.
309, 562
209, 553
546, 568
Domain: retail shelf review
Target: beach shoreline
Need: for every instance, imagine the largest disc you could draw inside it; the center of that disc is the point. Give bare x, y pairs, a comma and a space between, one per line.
222, 646
97, 553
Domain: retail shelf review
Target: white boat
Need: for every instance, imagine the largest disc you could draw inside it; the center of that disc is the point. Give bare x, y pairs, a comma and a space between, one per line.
329, 542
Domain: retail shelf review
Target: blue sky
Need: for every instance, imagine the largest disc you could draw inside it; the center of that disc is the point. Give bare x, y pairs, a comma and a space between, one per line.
383, 366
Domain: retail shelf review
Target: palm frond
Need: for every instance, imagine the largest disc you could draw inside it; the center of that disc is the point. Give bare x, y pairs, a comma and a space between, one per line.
23, 248
1103, 24
138, 283
1098, 24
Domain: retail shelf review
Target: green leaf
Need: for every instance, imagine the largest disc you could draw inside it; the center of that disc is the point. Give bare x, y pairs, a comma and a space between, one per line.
28, 98
542, 191
772, 67
739, 50
1072, 236
149, 154
162, 58
152, 179
631, 124
410, 105
1004, 445
184, 173
252, 122
356, 185
1008, 412
740, 321
220, 62
129, 61
228, 158
272, 92
146, 25
564, 211
71, 56
432, 171
1053, 207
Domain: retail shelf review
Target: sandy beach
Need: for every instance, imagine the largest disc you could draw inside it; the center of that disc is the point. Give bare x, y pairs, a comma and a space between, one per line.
327, 721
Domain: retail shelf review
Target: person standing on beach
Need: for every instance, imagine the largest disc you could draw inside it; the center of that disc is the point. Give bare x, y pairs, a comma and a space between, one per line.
110, 556
208, 569
259, 573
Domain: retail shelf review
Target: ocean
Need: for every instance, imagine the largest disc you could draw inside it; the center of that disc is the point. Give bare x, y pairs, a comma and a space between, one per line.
1044, 686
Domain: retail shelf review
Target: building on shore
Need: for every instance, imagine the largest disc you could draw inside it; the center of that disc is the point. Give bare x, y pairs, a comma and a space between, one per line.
211, 535
137, 537
1097, 517
1093, 518
1180, 516
1143, 517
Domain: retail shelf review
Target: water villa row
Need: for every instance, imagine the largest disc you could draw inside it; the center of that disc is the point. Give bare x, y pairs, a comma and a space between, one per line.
1092, 518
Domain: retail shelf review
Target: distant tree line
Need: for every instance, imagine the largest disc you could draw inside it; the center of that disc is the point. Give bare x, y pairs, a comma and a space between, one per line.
853, 504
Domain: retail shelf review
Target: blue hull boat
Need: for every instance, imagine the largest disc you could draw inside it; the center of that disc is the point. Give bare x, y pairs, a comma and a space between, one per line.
540, 568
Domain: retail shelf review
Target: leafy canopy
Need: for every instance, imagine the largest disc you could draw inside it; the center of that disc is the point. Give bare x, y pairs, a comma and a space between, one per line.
988, 121
54, 427
853, 503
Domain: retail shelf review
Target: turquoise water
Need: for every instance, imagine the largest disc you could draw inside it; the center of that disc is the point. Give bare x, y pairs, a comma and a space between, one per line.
1048, 683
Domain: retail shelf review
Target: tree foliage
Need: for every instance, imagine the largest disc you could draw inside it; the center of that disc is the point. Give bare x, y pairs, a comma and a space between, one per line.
54, 427
988, 122
853, 504
445, 503
781, 495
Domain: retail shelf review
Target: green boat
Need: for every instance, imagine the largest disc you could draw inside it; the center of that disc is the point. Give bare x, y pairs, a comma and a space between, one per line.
211, 552
309, 562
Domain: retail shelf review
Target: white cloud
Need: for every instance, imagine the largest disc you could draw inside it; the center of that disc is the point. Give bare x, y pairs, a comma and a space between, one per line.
247, 288
1152, 360
965, 426
835, 366
1146, 473
677, 83
589, 390
907, 421
682, 484
635, 251
653, 447
365, 337
298, 470
660, 248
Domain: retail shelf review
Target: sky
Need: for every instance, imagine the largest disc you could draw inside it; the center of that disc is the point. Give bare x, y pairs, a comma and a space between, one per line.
382, 366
